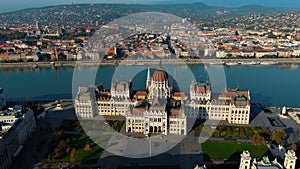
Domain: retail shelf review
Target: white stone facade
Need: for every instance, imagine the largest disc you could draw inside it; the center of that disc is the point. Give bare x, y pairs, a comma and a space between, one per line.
147, 121
178, 125
231, 106
200, 91
159, 87
290, 160
116, 102
245, 160
247, 163
120, 90
148, 114
85, 104
113, 107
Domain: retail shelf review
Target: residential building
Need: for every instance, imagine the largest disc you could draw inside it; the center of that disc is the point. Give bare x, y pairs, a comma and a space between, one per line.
13, 138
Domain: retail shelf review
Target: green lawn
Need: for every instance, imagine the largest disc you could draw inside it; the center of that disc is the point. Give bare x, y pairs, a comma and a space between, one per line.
234, 132
230, 151
90, 156
83, 156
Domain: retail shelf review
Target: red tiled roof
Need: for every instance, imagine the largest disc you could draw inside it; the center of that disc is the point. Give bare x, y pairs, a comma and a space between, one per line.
138, 111
149, 55
201, 89
160, 76
234, 51
179, 94
110, 52
237, 93
4, 54
141, 93
176, 112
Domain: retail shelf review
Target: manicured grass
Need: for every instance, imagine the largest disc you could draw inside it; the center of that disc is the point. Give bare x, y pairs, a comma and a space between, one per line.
231, 151
90, 156
83, 156
233, 132
71, 137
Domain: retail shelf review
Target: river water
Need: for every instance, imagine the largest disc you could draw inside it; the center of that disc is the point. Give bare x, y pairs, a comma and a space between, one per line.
270, 85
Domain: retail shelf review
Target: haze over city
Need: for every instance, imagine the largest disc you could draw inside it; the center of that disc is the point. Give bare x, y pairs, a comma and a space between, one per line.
13, 5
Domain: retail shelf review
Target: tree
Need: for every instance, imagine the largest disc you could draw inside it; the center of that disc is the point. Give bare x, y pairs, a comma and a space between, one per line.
62, 145
73, 157
49, 158
57, 152
68, 150
258, 139
278, 136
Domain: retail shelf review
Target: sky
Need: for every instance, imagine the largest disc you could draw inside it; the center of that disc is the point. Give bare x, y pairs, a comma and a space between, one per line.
13, 5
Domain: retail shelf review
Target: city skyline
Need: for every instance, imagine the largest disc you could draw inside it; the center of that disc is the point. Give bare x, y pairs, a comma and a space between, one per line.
14, 5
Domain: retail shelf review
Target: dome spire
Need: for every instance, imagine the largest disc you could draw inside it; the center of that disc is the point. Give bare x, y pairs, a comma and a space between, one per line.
148, 78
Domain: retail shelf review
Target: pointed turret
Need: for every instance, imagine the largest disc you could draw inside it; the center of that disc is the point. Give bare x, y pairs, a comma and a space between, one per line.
37, 25
148, 79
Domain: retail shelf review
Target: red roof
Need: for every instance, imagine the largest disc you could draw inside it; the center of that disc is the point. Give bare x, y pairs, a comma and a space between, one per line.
138, 111
234, 51
201, 89
141, 93
160, 76
179, 94
237, 93
176, 112
110, 52
4, 54
149, 55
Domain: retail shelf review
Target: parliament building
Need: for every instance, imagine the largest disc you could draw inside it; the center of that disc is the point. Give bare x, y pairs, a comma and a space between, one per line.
161, 109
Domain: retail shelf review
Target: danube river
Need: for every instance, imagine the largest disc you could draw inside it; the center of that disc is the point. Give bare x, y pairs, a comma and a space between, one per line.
270, 85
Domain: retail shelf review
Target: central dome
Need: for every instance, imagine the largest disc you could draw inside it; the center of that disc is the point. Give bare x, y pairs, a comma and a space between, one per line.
160, 76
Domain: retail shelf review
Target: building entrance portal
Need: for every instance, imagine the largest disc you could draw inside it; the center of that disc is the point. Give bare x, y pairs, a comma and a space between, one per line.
150, 129
155, 129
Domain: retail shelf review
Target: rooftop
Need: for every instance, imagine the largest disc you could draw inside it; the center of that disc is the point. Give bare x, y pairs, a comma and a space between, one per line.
160, 76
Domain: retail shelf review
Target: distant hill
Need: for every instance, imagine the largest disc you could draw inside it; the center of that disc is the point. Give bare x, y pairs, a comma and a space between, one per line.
82, 13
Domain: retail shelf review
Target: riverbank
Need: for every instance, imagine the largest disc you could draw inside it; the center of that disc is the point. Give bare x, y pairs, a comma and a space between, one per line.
37, 64
252, 61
